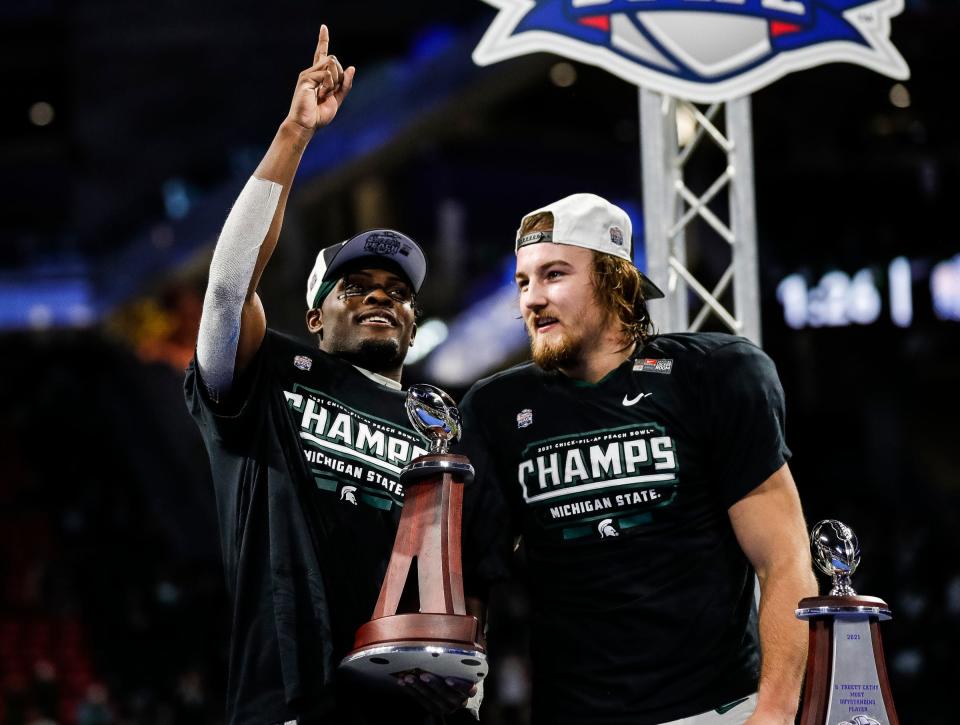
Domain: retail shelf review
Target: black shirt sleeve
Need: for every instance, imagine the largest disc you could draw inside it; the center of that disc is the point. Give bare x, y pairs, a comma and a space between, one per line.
486, 523
231, 419
744, 415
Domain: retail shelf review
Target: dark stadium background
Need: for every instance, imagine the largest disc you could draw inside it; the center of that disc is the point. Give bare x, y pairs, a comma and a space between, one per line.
111, 598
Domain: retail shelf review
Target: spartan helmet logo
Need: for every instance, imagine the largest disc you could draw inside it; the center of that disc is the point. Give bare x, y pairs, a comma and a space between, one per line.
348, 494
606, 529
860, 720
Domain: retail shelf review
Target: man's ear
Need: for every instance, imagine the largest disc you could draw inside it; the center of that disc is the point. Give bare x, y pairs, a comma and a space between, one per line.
315, 321
413, 334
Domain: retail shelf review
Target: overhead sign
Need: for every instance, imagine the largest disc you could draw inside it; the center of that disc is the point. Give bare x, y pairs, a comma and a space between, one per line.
701, 50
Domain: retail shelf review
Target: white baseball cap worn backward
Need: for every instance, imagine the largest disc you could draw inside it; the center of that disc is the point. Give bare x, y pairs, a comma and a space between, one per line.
592, 222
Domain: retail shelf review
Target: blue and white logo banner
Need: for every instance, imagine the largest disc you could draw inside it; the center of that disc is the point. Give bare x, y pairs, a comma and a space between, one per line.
702, 50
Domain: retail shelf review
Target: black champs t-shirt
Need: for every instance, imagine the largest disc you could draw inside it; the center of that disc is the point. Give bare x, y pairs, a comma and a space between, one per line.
306, 459
643, 600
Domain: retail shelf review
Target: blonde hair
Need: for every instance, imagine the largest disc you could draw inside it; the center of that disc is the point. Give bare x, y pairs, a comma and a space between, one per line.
616, 285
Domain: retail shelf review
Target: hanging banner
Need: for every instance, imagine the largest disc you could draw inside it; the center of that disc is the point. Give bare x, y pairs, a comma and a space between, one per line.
701, 50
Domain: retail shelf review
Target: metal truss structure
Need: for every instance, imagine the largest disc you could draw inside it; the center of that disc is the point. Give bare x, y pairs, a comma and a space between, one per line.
670, 208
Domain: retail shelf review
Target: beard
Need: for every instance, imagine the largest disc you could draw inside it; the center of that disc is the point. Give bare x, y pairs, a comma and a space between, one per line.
375, 355
560, 353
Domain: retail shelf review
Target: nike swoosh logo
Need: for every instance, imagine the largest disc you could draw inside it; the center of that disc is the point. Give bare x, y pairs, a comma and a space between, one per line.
628, 401
723, 709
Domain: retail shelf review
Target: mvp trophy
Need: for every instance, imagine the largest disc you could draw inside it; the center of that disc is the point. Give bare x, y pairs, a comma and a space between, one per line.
441, 638
847, 681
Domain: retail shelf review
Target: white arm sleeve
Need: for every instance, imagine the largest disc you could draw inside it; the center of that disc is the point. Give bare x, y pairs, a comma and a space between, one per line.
231, 270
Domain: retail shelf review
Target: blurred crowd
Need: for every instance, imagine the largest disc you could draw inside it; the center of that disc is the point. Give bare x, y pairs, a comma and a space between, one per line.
112, 601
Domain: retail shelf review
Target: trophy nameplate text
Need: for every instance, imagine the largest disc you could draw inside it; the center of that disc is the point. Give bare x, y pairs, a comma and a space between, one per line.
847, 681
440, 638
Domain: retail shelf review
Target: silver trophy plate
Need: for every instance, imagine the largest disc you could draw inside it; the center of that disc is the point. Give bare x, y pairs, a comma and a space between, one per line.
856, 689
385, 663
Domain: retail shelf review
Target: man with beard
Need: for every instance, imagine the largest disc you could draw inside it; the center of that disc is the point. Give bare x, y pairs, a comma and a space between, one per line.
306, 445
647, 476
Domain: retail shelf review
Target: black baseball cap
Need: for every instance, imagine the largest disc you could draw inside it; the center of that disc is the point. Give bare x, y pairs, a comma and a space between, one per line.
377, 245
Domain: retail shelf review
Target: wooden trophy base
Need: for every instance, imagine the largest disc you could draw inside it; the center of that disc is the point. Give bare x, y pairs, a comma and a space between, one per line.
846, 670
441, 638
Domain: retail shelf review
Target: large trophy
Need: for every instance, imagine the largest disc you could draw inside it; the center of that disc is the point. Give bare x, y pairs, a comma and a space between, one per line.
847, 681
440, 638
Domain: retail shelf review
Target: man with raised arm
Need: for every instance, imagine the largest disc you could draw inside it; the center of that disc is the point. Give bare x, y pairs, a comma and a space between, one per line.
647, 475
306, 445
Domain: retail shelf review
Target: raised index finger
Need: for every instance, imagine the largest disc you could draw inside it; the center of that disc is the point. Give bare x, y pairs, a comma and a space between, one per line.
323, 45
